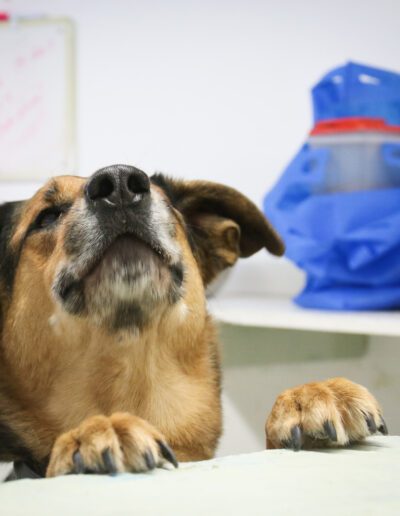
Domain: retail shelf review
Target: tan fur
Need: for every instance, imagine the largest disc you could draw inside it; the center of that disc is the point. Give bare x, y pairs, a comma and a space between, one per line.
128, 437
338, 400
76, 371
68, 385
68, 370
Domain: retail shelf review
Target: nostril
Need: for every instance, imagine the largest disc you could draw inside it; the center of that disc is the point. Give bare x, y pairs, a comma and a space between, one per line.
100, 188
138, 183
117, 185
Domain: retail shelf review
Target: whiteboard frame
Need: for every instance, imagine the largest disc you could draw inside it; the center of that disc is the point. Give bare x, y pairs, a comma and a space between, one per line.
70, 140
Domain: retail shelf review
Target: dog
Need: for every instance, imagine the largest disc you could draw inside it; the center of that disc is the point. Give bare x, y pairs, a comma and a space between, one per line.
109, 360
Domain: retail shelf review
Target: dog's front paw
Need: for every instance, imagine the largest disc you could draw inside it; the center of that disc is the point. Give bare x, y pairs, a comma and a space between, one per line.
331, 413
113, 444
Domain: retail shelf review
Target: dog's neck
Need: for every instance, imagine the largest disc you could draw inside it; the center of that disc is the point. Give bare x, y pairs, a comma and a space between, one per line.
58, 351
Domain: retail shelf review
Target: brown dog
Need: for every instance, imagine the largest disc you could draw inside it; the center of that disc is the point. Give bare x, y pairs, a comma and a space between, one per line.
108, 357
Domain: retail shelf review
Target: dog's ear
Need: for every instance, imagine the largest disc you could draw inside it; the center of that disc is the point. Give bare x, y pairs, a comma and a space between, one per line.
222, 223
8, 216
4, 234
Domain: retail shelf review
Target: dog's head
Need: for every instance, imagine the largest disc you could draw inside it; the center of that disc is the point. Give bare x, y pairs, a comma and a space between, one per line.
118, 247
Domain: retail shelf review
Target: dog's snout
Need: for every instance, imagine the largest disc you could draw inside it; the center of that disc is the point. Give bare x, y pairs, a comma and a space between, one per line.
117, 185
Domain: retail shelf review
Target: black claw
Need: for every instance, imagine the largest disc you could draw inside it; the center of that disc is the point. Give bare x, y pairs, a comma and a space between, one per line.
79, 465
149, 459
330, 430
167, 453
371, 423
383, 429
109, 462
295, 442
93, 471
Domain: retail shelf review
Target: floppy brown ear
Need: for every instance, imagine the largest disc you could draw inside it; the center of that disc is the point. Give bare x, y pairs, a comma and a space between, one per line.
223, 223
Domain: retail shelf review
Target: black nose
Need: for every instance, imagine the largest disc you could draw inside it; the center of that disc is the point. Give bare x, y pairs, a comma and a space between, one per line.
118, 185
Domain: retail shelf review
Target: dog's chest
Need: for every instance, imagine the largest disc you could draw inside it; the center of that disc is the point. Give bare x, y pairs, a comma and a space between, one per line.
151, 384
159, 391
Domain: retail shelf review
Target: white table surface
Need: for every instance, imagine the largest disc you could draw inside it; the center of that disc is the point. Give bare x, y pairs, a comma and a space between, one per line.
268, 311
362, 480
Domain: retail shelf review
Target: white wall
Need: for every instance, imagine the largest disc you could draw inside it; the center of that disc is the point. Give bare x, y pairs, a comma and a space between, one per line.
211, 89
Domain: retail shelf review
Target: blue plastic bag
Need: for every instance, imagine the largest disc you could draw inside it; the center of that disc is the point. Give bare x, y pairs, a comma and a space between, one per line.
348, 243
357, 90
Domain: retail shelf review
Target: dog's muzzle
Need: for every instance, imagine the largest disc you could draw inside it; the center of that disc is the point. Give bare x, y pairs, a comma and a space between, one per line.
122, 256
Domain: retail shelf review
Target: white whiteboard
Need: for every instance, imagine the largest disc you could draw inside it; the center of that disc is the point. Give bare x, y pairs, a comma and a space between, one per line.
37, 105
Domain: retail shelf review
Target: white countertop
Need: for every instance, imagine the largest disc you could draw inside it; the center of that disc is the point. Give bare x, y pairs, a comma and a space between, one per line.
279, 312
363, 480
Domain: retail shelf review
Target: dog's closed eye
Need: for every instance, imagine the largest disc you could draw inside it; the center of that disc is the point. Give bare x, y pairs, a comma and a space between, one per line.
49, 217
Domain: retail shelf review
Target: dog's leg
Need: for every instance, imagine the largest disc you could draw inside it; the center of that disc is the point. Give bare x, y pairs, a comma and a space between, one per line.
101, 444
335, 412
24, 436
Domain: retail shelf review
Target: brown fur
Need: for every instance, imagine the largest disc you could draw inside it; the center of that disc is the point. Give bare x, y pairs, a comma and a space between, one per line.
349, 407
67, 384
